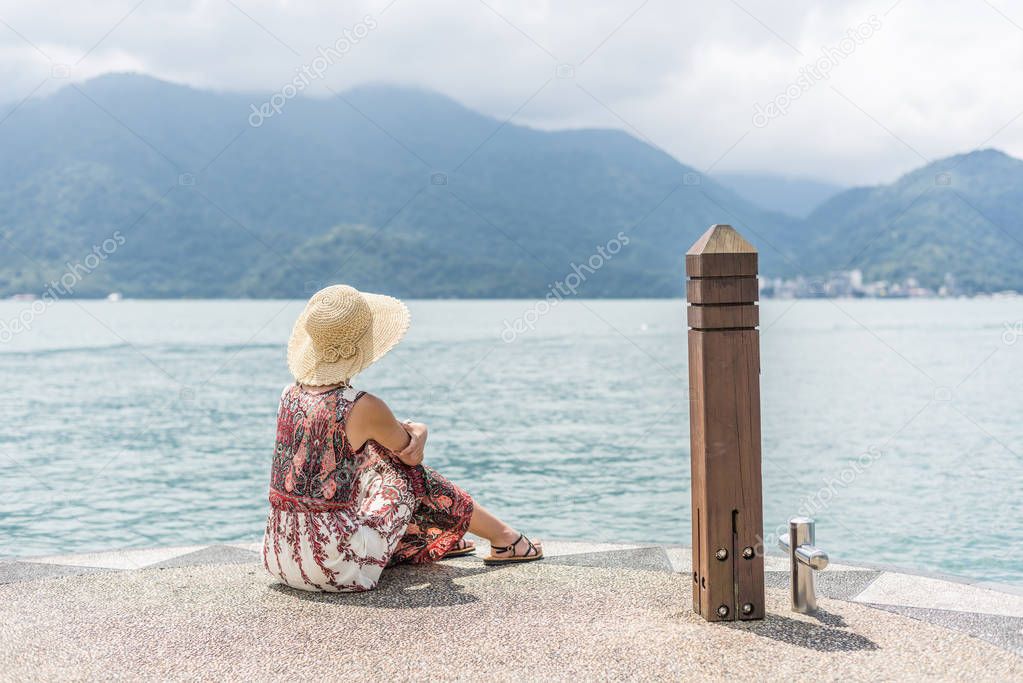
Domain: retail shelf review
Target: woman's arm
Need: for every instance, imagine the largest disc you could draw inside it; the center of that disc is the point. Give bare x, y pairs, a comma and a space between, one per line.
372, 420
413, 453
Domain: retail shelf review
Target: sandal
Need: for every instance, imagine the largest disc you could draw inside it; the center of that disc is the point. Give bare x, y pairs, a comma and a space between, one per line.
463, 547
532, 553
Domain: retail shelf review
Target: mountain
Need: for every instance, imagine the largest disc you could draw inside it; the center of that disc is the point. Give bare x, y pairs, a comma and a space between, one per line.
387, 188
788, 195
962, 215
127, 183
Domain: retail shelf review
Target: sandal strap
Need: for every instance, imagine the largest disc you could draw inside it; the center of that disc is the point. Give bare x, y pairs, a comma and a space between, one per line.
506, 548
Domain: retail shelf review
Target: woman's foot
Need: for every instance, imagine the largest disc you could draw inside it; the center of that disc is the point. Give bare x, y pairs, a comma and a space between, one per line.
463, 547
518, 548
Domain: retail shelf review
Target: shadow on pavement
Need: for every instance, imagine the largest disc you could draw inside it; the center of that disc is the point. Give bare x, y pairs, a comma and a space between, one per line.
829, 618
828, 636
405, 587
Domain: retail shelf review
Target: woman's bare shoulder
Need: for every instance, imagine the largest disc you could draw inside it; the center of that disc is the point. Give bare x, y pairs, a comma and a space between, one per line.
371, 409
371, 419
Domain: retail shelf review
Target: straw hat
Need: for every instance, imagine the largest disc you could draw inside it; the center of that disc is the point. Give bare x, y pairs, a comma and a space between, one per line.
341, 332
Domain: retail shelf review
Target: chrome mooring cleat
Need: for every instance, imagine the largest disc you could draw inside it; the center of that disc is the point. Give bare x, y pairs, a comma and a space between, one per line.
804, 558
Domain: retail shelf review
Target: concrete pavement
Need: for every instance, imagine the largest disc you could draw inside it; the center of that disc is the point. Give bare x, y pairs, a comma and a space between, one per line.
588, 611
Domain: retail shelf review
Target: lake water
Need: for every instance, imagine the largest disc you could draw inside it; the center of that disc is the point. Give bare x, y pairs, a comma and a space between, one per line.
144, 423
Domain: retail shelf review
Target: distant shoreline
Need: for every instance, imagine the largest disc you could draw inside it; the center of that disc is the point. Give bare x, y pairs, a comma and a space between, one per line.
1007, 294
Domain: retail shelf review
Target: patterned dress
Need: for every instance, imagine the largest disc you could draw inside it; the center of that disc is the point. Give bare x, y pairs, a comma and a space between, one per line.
339, 516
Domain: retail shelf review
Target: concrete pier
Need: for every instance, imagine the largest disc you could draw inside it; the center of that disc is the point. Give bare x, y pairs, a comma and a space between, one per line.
588, 611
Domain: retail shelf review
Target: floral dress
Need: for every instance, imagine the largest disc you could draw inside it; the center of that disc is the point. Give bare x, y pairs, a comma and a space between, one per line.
339, 516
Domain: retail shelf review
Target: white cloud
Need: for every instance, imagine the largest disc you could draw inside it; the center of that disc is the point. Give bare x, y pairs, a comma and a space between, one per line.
935, 79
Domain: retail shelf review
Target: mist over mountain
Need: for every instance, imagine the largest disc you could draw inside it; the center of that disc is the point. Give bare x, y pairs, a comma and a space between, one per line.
405, 191
793, 196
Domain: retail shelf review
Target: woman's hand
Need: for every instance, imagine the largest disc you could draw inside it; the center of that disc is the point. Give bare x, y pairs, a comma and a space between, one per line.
412, 454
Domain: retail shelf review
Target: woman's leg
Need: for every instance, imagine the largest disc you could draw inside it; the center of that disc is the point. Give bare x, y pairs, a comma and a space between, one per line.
486, 525
440, 519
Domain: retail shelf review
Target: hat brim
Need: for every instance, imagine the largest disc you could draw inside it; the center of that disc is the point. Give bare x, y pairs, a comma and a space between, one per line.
390, 321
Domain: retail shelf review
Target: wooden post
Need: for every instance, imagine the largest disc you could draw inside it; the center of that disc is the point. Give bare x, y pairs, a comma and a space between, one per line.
724, 423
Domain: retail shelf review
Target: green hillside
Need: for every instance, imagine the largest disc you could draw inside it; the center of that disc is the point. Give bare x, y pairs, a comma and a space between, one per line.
962, 215
386, 188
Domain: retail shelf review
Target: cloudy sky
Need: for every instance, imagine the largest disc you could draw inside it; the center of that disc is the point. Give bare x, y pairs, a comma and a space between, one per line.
852, 92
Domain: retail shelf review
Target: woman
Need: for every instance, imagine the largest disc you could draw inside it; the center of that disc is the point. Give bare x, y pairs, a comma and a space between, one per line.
348, 493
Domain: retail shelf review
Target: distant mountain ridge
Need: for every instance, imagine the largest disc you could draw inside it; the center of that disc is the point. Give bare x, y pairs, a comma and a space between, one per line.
408, 192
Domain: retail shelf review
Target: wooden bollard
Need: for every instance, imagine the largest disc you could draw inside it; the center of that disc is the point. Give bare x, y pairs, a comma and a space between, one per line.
724, 423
